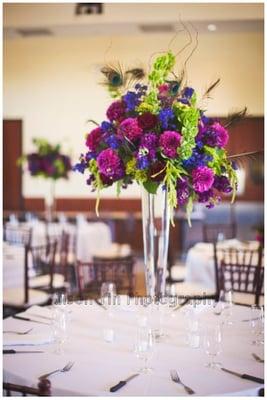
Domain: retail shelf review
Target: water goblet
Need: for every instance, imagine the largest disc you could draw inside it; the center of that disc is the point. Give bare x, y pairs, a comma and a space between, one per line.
144, 348
59, 329
213, 344
108, 293
257, 324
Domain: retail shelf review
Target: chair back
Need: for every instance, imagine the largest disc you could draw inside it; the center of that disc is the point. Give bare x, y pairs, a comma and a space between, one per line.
212, 232
42, 260
17, 235
239, 270
43, 389
91, 275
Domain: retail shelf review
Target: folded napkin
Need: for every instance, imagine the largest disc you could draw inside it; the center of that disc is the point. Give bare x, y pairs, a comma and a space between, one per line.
11, 339
38, 313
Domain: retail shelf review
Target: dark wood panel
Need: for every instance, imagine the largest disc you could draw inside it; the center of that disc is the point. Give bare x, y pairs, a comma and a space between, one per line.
12, 174
107, 204
34, 204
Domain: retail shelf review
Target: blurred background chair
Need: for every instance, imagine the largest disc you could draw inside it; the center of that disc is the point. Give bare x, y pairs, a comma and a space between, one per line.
242, 271
119, 271
20, 263
17, 235
214, 232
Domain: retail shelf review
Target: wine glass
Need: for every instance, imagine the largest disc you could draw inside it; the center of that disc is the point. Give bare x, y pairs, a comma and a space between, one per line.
257, 324
226, 300
213, 344
59, 329
144, 348
108, 293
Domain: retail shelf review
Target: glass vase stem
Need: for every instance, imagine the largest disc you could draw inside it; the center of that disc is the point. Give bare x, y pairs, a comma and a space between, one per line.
156, 222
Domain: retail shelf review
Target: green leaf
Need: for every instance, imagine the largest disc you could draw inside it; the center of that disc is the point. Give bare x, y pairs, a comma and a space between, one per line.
151, 187
189, 209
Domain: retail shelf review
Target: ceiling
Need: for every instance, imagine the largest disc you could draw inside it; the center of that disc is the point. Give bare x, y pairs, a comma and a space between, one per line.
59, 19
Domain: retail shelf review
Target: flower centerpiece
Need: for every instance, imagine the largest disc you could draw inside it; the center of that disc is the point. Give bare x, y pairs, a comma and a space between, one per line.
47, 162
157, 134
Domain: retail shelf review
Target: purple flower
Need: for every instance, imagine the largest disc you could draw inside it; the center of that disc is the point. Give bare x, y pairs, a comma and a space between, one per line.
222, 136
147, 121
130, 129
106, 126
203, 178
113, 141
150, 141
204, 197
110, 165
169, 141
93, 139
116, 111
212, 135
222, 184
182, 191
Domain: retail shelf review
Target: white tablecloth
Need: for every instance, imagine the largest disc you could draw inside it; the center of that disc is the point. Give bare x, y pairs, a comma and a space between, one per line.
200, 261
100, 365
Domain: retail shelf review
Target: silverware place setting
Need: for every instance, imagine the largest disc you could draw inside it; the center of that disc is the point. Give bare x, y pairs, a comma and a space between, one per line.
244, 376
175, 378
59, 370
19, 332
122, 383
257, 358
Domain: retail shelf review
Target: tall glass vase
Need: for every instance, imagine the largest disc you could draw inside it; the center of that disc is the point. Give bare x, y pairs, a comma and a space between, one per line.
156, 224
50, 201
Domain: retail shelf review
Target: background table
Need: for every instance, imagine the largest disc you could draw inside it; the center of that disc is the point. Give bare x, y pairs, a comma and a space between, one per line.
100, 365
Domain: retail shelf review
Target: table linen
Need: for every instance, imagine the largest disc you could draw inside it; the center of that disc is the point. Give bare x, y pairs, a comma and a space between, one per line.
100, 365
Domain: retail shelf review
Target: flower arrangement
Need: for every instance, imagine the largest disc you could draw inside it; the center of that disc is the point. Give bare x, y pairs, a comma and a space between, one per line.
47, 161
155, 134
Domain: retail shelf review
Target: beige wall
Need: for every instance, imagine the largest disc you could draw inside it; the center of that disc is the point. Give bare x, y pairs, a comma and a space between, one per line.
52, 85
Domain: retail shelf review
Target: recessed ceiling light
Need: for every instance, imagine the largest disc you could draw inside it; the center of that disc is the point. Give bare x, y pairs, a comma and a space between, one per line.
212, 27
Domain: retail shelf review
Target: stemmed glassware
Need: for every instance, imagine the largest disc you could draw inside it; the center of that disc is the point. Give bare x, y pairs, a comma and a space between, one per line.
257, 324
108, 293
60, 320
144, 347
213, 344
225, 306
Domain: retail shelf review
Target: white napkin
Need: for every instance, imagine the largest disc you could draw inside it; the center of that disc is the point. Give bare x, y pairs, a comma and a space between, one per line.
12, 339
42, 314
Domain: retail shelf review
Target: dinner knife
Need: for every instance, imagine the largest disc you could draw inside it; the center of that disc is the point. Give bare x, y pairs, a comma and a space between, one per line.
11, 351
122, 383
29, 319
244, 376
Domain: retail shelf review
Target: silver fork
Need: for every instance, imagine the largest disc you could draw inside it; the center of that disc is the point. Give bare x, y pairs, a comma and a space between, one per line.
64, 369
257, 358
19, 333
176, 379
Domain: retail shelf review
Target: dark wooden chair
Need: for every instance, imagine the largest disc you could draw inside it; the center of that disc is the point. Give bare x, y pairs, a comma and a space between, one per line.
43, 389
41, 260
91, 275
241, 271
17, 235
212, 232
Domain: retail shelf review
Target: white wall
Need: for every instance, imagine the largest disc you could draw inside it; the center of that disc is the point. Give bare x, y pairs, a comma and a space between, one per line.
52, 85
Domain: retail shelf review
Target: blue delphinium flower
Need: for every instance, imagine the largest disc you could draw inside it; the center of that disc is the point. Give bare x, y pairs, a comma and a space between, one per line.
188, 92
166, 116
197, 159
106, 126
131, 100
113, 141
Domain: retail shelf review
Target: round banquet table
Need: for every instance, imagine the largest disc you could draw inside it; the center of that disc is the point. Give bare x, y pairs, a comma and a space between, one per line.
100, 365
200, 260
